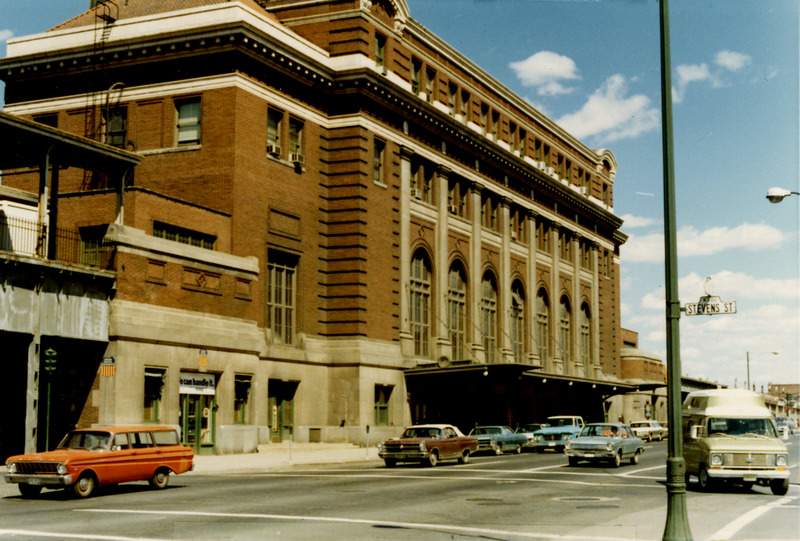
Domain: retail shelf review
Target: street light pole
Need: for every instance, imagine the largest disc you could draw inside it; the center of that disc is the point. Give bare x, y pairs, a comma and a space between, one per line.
677, 526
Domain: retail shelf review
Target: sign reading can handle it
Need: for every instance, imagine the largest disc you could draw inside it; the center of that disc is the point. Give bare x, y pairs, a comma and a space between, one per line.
194, 383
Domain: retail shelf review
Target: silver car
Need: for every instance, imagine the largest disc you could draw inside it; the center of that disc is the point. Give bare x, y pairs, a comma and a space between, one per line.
604, 442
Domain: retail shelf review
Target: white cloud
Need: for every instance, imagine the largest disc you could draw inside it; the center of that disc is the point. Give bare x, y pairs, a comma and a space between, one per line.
688, 73
6, 35
731, 60
631, 221
610, 114
691, 242
546, 70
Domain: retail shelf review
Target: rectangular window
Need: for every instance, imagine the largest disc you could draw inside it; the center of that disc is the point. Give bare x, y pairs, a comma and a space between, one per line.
295, 136
281, 299
153, 388
489, 213
606, 196
565, 245
274, 129
382, 395
484, 118
92, 245
188, 124
416, 76
182, 235
377, 161
115, 129
456, 198
465, 98
542, 236
537, 150
512, 136
48, 120
430, 85
522, 142
452, 93
380, 51
495, 125
241, 395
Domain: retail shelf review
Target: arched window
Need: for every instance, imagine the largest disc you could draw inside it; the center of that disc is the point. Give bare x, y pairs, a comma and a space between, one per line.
489, 316
518, 322
420, 303
564, 321
586, 334
457, 310
542, 322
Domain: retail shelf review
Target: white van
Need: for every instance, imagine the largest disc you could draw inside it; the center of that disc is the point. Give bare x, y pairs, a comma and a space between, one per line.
729, 435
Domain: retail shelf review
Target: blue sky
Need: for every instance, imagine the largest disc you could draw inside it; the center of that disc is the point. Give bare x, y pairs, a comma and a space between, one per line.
593, 67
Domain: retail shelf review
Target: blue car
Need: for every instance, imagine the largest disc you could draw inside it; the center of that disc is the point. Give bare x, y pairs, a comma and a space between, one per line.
605, 442
497, 439
559, 430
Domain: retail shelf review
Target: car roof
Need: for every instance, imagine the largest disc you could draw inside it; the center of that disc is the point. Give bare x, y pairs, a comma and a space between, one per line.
430, 426
126, 428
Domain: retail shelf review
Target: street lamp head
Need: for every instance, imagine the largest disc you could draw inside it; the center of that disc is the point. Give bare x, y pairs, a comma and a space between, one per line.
776, 195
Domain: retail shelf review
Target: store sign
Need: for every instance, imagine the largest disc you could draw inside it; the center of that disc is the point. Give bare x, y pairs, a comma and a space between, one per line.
194, 383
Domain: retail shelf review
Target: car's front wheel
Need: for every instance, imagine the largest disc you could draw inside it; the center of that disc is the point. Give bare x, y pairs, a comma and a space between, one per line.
390, 462
29, 491
84, 486
617, 460
464, 458
433, 458
160, 479
779, 487
705, 480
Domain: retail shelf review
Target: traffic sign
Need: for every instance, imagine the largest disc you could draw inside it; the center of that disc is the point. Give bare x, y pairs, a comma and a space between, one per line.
709, 306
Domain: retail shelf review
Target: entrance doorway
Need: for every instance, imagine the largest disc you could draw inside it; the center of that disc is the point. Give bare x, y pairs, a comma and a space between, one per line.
198, 412
281, 409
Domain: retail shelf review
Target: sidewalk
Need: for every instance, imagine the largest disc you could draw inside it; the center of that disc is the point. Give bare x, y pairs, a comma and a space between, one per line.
277, 456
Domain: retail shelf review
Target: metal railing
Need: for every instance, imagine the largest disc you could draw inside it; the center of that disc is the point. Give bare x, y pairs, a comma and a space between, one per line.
30, 238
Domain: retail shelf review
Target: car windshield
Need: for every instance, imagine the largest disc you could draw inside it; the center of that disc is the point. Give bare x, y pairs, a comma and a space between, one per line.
601, 430
93, 441
422, 432
640, 425
484, 430
740, 427
559, 422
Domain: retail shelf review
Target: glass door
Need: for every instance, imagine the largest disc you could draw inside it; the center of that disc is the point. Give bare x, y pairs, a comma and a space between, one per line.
197, 422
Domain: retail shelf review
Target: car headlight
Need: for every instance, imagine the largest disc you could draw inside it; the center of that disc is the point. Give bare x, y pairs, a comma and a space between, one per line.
11, 467
567, 437
380, 447
62, 469
422, 446
537, 439
782, 461
716, 460
609, 446
568, 445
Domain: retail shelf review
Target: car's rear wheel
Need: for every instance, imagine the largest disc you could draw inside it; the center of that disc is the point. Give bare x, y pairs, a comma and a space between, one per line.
84, 486
779, 487
635, 457
160, 479
464, 457
29, 491
390, 462
433, 458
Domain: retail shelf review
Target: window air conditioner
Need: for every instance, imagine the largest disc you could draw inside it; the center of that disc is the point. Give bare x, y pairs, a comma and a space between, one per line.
416, 194
297, 158
274, 150
453, 209
583, 190
513, 235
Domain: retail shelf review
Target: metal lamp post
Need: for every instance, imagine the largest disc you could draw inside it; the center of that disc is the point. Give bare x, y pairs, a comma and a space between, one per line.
49, 368
677, 525
748, 367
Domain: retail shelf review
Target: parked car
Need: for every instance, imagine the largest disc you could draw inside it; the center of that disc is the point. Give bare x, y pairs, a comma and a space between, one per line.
428, 444
528, 430
497, 439
559, 430
649, 430
90, 457
612, 442
786, 425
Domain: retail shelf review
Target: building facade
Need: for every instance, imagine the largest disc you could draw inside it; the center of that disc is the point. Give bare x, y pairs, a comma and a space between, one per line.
339, 224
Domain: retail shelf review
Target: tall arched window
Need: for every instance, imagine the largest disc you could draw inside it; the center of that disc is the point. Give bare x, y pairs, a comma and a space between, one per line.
518, 322
420, 303
542, 322
564, 321
457, 310
586, 334
489, 316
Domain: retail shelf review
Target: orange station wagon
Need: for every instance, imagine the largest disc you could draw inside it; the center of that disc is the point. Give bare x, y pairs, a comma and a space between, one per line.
90, 457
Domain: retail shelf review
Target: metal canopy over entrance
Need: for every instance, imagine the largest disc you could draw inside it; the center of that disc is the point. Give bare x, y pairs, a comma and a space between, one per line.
505, 394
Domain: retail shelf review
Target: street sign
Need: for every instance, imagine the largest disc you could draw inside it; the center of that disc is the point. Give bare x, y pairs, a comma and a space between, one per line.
709, 306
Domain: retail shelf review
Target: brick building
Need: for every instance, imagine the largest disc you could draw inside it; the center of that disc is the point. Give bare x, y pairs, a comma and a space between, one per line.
338, 222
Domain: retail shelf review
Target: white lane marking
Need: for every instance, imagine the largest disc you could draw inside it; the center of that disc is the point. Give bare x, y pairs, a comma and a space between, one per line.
385, 523
4, 532
728, 531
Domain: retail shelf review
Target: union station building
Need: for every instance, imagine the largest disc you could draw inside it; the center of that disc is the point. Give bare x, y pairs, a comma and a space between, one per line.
313, 219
